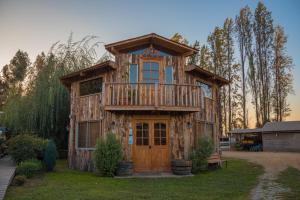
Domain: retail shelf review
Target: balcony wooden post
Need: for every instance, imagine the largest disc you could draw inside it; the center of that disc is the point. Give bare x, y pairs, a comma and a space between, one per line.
156, 94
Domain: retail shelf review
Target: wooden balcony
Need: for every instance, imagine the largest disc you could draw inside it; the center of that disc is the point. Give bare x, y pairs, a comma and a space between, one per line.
149, 96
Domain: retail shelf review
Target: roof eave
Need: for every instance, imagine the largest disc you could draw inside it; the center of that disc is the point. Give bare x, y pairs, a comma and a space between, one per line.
67, 79
150, 38
221, 81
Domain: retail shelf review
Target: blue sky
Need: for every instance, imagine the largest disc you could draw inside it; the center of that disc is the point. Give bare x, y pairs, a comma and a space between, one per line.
33, 25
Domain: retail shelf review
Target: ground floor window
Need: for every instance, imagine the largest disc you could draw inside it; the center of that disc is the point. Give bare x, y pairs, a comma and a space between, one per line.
87, 134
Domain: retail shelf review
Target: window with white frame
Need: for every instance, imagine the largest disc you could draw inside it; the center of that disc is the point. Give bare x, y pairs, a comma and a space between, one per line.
87, 134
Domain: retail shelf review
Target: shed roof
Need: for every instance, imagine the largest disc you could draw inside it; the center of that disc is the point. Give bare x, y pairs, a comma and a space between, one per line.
87, 72
154, 39
283, 127
287, 126
199, 70
241, 131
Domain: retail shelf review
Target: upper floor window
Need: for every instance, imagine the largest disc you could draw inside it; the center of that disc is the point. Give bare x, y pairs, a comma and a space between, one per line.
150, 72
168, 75
91, 86
206, 89
133, 73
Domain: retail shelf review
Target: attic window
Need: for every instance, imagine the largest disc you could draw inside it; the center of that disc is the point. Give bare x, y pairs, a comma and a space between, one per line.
91, 86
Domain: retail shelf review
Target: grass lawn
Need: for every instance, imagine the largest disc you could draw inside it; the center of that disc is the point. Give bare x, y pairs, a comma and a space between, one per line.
234, 182
290, 178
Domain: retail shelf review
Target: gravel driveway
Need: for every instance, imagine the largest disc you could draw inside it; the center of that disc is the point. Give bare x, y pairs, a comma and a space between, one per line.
273, 163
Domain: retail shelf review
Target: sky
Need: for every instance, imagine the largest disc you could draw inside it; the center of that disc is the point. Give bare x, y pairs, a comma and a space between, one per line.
34, 25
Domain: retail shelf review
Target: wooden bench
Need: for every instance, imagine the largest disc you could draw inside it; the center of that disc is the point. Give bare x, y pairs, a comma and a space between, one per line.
216, 159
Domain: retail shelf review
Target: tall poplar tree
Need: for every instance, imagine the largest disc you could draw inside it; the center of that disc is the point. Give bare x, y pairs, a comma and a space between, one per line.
243, 28
263, 32
282, 65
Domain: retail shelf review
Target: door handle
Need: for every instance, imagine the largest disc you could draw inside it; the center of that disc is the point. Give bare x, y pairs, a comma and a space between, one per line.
149, 146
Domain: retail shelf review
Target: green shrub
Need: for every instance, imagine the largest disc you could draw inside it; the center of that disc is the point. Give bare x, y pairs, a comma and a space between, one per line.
50, 156
29, 168
19, 180
107, 155
24, 147
203, 149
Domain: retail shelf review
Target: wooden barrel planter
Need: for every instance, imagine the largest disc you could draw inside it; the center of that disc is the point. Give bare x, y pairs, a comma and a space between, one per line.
181, 167
125, 168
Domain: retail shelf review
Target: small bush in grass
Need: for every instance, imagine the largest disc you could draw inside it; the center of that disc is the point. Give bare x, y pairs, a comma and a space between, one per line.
29, 168
25, 146
19, 180
50, 156
203, 149
107, 155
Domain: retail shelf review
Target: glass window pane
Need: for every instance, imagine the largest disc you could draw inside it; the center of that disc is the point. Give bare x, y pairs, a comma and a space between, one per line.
169, 75
146, 75
163, 133
139, 141
154, 66
145, 141
163, 141
138, 133
133, 73
82, 134
91, 86
206, 89
157, 141
156, 133
155, 75
145, 133
139, 126
146, 66
94, 134
157, 125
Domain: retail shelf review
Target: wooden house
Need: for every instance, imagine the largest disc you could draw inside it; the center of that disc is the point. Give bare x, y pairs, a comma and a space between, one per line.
155, 104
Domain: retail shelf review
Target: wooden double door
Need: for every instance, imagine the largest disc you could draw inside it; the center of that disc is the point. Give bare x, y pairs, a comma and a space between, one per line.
151, 145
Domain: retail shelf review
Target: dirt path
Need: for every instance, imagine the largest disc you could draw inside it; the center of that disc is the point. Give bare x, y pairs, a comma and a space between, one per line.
273, 164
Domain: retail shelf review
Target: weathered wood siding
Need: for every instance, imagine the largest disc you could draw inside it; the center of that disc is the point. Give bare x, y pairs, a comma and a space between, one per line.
184, 127
281, 141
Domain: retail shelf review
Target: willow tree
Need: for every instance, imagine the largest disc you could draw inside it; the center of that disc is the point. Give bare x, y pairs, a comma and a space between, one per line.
44, 108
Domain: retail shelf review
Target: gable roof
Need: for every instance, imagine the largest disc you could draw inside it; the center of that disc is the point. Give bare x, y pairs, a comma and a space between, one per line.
207, 74
288, 126
153, 39
87, 72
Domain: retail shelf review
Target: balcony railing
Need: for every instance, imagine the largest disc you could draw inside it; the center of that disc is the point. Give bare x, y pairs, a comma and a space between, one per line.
150, 96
